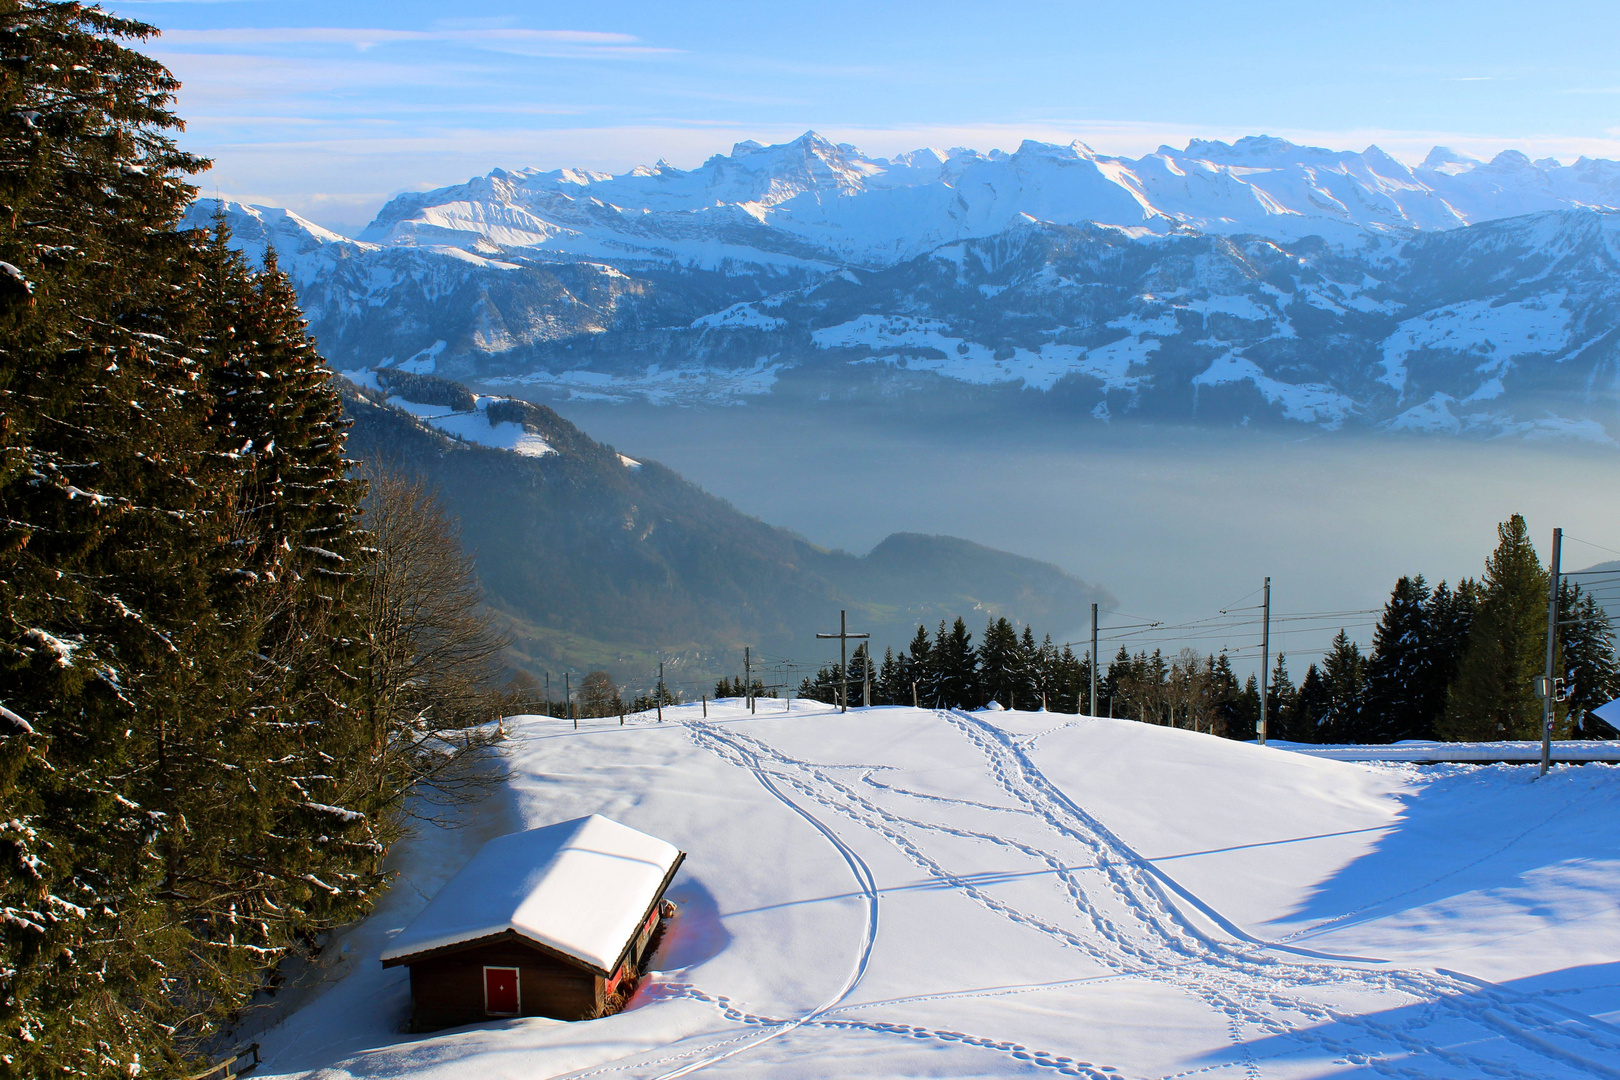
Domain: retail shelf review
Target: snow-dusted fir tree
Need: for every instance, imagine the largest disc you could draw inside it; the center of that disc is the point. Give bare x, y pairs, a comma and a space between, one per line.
954, 666
1001, 664
105, 491
1034, 663
917, 669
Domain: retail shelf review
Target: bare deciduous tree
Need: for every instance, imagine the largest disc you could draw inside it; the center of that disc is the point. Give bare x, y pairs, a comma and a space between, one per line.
598, 695
431, 652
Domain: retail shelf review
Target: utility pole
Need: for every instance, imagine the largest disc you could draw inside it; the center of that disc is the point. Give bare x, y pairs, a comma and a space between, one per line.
1548, 683
748, 679
660, 691
548, 693
1094, 659
568, 701
914, 703
1265, 658
844, 638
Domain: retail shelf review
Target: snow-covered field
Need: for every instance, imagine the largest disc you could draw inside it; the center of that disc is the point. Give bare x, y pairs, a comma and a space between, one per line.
902, 892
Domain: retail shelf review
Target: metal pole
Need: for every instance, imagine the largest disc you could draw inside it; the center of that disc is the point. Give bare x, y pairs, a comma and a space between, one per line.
748, 679
568, 701
914, 703
866, 669
1093, 659
660, 691
1547, 684
843, 663
1265, 659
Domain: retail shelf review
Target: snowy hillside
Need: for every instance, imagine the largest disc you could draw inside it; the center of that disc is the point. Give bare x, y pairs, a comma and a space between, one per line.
1251, 283
903, 892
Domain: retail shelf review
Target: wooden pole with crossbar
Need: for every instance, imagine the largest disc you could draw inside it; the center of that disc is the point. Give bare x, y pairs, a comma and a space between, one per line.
844, 638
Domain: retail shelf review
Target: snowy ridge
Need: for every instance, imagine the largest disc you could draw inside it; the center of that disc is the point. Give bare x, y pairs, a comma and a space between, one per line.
830, 199
1121, 899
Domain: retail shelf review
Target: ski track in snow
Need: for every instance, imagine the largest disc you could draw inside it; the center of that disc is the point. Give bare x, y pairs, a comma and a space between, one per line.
1133, 926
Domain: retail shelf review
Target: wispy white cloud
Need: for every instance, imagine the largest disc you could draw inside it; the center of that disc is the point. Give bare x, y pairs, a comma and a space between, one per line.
504, 39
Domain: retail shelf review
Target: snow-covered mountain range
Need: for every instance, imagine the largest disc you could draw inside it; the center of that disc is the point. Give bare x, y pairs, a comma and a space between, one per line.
1221, 283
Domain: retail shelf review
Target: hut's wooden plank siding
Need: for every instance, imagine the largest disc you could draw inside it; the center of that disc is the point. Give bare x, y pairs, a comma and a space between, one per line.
449, 990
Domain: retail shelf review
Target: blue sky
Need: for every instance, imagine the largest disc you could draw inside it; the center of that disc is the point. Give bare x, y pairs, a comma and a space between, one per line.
332, 107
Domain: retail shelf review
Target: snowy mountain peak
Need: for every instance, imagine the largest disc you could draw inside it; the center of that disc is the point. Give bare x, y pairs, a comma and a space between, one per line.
1074, 151
1513, 160
811, 202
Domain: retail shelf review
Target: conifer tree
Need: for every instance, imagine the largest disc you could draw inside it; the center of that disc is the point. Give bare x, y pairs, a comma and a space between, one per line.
1054, 683
892, 686
1282, 707
1450, 617
1344, 677
1587, 645
1031, 670
105, 487
1312, 706
1000, 663
1111, 689
187, 789
1244, 718
1493, 694
954, 664
1399, 702
1225, 696
919, 668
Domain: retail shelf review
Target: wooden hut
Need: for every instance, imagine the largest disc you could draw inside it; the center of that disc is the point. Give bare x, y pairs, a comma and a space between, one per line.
548, 922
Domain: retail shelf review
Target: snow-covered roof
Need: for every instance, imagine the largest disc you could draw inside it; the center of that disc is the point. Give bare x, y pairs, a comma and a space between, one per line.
580, 888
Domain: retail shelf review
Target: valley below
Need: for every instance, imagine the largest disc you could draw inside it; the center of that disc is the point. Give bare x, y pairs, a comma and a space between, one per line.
1175, 522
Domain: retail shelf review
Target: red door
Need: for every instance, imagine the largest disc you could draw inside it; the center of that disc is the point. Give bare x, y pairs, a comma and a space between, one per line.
501, 991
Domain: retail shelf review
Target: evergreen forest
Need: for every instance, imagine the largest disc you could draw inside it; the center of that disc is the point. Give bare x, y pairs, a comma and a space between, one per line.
1452, 663
225, 656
